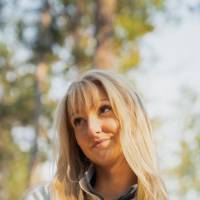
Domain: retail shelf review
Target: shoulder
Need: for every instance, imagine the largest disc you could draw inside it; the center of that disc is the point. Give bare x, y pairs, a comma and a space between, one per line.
40, 192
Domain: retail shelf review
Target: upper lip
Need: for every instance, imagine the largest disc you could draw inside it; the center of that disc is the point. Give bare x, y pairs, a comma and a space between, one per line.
96, 142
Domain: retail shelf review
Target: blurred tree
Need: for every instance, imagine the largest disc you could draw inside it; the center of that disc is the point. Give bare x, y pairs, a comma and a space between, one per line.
20, 105
77, 34
104, 53
59, 23
13, 162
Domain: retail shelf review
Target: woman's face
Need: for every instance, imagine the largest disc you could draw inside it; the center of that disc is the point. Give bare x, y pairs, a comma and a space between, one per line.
97, 132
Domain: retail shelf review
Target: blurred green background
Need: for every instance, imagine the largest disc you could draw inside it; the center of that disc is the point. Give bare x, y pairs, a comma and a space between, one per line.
45, 44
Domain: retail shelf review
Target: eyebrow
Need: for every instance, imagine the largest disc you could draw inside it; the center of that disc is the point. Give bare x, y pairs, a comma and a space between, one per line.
104, 99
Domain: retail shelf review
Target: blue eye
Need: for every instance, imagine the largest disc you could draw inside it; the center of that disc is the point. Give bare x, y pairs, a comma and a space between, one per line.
105, 109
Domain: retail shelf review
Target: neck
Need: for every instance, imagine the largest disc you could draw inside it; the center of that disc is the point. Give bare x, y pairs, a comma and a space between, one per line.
118, 175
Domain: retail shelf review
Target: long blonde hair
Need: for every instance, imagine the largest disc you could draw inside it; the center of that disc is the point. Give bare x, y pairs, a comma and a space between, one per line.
135, 136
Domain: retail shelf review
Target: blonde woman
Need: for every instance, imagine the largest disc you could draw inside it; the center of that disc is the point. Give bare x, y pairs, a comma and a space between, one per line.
105, 144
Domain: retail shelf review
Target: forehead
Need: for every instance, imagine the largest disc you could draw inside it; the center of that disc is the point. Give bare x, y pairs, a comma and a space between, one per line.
83, 96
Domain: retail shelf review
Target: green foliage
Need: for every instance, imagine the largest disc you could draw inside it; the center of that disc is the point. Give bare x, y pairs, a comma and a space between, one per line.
187, 170
13, 167
132, 26
130, 60
132, 22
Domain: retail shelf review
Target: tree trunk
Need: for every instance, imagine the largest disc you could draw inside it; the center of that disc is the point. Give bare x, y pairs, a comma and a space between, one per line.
104, 54
37, 112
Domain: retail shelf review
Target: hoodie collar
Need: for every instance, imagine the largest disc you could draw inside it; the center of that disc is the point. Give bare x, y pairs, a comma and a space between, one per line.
86, 185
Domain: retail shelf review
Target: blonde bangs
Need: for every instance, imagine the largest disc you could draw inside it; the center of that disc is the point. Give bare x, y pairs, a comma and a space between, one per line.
83, 96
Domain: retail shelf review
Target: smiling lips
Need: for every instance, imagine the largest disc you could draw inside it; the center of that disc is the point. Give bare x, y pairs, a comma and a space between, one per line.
98, 142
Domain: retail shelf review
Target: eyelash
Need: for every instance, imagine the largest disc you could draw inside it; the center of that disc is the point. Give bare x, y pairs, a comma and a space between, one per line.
102, 109
77, 121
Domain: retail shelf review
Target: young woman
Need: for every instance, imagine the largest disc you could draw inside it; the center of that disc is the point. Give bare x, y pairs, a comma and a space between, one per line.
105, 144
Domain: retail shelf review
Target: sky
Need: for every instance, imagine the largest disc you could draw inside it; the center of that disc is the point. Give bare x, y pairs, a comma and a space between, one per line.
168, 73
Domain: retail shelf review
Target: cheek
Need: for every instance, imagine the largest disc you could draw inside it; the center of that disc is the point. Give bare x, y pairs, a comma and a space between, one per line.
81, 139
83, 142
111, 125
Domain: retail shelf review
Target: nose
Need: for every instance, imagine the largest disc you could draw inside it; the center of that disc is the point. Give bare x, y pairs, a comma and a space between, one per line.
93, 126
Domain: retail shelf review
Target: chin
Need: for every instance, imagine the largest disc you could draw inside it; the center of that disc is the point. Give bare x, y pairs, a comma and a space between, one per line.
104, 160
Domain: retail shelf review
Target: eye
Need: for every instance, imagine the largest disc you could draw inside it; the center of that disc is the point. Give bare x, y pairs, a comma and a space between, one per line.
77, 121
105, 109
